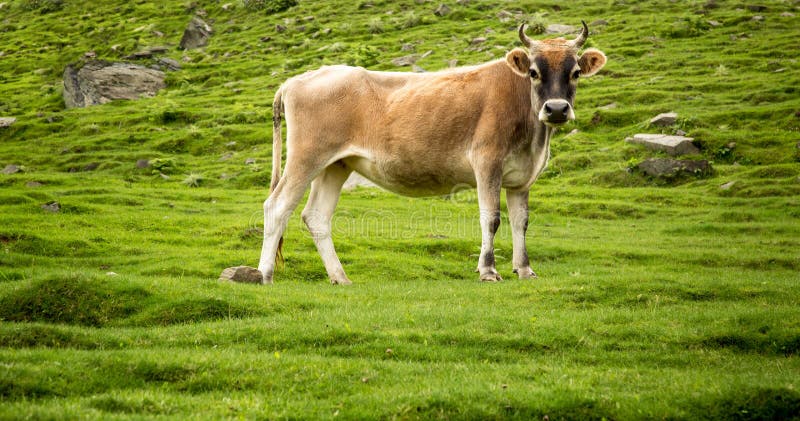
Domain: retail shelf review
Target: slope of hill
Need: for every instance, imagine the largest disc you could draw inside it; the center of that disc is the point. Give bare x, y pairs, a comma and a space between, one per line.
658, 298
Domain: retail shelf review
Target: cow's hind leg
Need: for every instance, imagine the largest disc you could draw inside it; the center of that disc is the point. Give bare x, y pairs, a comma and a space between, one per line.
317, 214
277, 210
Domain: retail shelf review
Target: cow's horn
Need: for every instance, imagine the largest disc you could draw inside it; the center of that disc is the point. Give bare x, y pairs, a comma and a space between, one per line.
581, 39
524, 38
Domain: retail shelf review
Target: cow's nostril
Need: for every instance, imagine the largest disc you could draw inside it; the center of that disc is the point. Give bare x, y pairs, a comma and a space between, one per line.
547, 109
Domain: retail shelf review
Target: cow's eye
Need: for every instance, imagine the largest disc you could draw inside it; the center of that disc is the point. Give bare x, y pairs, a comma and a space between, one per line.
576, 74
534, 74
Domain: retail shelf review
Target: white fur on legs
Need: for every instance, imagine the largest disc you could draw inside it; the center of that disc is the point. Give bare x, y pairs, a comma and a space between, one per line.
489, 203
518, 214
277, 210
317, 214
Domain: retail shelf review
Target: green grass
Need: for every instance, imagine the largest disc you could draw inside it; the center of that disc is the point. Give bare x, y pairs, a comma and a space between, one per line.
656, 299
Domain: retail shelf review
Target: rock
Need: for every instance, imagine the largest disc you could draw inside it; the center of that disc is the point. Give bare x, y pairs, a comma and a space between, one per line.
758, 18
169, 63
756, 8
408, 47
787, 14
666, 168
227, 6
52, 207
357, 180
243, 274
11, 169
672, 145
665, 119
33, 184
226, 156
610, 106
99, 82
142, 163
250, 161
680, 132
417, 69
477, 41
405, 60
505, 16
560, 29
91, 166
196, 34
599, 22
280, 28
147, 53
7, 121
265, 39
727, 185
442, 10
111, 273
714, 23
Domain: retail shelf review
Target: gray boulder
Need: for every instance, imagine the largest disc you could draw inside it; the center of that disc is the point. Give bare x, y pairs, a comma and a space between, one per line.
99, 82
668, 168
196, 34
672, 145
243, 274
442, 10
560, 29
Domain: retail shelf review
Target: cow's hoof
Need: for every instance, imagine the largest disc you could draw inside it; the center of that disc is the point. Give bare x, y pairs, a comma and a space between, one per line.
525, 273
491, 277
341, 281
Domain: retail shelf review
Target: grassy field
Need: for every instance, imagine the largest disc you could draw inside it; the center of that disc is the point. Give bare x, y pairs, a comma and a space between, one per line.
655, 299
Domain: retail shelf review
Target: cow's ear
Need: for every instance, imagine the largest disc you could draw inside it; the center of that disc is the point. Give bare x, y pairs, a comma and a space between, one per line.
591, 61
518, 60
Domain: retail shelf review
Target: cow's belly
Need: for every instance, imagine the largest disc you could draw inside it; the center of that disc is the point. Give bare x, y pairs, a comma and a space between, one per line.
402, 176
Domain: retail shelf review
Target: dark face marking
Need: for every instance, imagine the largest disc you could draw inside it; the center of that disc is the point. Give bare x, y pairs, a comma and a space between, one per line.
555, 80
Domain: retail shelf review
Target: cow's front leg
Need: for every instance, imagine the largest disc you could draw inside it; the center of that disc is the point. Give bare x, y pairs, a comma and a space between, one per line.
489, 203
518, 215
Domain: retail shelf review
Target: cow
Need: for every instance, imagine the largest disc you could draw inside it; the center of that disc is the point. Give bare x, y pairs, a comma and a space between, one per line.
420, 134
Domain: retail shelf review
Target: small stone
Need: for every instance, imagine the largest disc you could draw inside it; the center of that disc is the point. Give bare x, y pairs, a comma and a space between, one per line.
91, 166
7, 121
758, 18
169, 63
33, 184
727, 185
610, 106
389, 351
405, 60
357, 180
665, 119
573, 132
309, 18
477, 41
227, 6
756, 7
265, 39
560, 29
52, 207
408, 47
417, 69
505, 15
787, 14
89, 55
731, 145
111, 273
249, 161
231, 144
714, 23
680, 132
442, 10
142, 163
599, 22
163, 176
280, 28
672, 145
11, 169
226, 156
243, 274
301, 28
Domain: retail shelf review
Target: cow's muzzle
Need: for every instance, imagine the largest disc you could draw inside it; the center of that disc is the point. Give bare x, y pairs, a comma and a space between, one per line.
556, 112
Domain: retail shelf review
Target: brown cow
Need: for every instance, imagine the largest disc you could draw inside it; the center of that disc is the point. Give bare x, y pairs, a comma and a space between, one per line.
421, 134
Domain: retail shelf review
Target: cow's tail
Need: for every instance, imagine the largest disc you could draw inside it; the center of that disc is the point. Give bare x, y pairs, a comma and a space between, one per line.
277, 109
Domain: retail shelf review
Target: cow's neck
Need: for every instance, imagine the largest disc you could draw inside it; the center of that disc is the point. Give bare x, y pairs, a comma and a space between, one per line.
540, 147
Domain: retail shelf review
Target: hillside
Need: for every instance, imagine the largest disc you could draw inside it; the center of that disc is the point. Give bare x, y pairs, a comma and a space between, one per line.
658, 297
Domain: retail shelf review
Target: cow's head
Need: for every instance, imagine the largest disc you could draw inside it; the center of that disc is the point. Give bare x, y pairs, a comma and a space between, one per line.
554, 67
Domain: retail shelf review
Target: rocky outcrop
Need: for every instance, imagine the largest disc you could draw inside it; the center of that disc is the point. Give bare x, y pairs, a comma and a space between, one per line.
196, 34
7, 121
668, 168
99, 82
